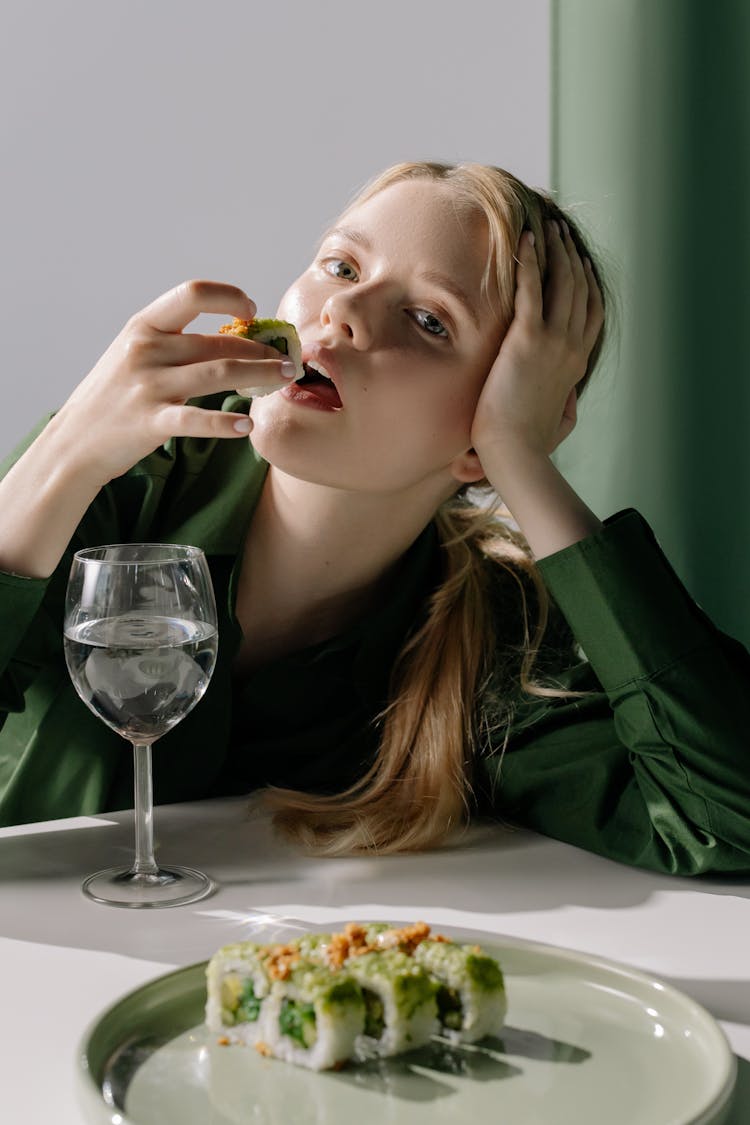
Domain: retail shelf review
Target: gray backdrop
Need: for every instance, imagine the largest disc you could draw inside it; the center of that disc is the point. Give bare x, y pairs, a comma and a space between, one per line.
148, 141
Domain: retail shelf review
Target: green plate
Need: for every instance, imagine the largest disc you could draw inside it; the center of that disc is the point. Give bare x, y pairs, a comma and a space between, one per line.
586, 1041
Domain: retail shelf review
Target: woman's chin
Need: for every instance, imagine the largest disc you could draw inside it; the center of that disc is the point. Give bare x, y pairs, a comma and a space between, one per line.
290, 447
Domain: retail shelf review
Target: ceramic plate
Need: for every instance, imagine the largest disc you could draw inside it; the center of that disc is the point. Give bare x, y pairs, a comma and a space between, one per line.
586, 1041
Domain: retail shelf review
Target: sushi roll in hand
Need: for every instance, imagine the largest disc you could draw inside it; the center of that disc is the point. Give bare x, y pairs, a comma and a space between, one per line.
279, 334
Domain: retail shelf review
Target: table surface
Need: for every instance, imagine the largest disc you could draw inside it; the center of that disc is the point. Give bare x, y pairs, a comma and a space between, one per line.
65, 958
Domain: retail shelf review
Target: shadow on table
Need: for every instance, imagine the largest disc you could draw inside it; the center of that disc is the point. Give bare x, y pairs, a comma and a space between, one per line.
41, 870
481, 1062
416, 1076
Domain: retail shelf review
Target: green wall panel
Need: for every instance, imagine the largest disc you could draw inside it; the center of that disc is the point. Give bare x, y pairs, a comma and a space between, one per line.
651, 147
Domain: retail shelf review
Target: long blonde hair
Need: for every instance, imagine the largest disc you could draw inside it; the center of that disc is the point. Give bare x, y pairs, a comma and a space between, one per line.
455, 682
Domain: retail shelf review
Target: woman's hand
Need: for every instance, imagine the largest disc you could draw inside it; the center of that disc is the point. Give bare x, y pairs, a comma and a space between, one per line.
529, 397
135, 397
132, 401
528, 402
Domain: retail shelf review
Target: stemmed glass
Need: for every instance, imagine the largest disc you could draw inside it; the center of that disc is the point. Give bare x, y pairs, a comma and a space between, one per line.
140, 638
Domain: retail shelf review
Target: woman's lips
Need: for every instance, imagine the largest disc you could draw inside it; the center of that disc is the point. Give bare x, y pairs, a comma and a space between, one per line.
319, 395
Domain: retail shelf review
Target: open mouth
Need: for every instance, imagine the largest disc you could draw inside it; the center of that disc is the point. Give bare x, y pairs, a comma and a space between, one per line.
320, 385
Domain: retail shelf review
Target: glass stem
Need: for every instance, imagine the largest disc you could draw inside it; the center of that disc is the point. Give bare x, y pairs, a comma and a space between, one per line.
144, 811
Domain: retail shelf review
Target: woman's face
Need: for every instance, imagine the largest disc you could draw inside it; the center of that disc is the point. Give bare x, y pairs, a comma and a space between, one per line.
407, 356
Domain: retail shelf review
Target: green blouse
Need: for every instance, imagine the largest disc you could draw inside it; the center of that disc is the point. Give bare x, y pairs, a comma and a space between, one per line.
649, 767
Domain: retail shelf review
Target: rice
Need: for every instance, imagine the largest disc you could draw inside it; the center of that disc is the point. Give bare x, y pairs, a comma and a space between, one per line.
471, 1000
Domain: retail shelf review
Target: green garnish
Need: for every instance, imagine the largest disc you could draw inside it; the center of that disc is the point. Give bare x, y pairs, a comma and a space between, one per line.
484, 971
374, 1014
298, 1022
280, 343
248, 1008
449, 1007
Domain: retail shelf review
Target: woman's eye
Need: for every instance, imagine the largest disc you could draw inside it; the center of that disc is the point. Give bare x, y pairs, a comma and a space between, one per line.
332, 264
431, 324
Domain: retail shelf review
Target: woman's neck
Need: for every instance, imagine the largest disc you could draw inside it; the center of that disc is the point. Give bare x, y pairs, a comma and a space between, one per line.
315, 559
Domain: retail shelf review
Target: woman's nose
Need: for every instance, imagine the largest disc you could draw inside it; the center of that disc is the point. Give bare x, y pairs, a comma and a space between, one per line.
341, 315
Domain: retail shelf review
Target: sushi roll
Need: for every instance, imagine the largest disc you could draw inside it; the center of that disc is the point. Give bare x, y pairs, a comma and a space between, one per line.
399, 1000
314, 1017
371, 989
238, 984
471, 997
279, 334
284, 1004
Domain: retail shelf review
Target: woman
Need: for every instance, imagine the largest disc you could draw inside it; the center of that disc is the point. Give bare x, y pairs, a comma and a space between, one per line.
389, 659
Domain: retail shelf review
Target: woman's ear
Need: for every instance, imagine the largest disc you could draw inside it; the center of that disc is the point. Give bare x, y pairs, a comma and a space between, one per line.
467, 468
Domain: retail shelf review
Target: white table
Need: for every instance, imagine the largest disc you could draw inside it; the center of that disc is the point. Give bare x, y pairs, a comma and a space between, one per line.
64, 958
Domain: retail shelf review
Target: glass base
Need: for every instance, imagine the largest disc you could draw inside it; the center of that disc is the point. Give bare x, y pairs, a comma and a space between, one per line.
168, 886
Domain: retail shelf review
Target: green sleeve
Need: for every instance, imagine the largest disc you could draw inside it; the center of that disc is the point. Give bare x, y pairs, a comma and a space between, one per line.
24, 637
56, 757
20, 600
650, 765
31, 609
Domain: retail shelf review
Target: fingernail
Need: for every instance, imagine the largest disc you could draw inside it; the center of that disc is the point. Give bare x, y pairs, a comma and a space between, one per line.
531, 238
242, 425
288, 370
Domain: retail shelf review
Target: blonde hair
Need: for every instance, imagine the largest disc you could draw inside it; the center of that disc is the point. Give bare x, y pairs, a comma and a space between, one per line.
455, 682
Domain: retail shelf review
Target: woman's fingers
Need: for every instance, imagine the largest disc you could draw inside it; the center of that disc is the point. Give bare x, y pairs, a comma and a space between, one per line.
580, 296
178, 420
560, 285
573, 301
181, 365
173, 310
528, 301
193, 347
194, 379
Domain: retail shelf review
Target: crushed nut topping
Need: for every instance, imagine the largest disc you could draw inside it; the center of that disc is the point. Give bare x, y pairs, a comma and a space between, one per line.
236, 328
406, 939
280, 960
353, 941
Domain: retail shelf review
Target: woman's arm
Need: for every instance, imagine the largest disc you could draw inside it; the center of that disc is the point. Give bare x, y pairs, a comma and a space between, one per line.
650, 765
132, 402
528, 403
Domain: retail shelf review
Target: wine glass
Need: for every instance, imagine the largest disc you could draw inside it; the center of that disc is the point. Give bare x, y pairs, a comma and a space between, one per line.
140, 638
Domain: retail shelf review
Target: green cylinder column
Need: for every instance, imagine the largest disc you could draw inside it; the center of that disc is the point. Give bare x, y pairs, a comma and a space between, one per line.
651, 148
